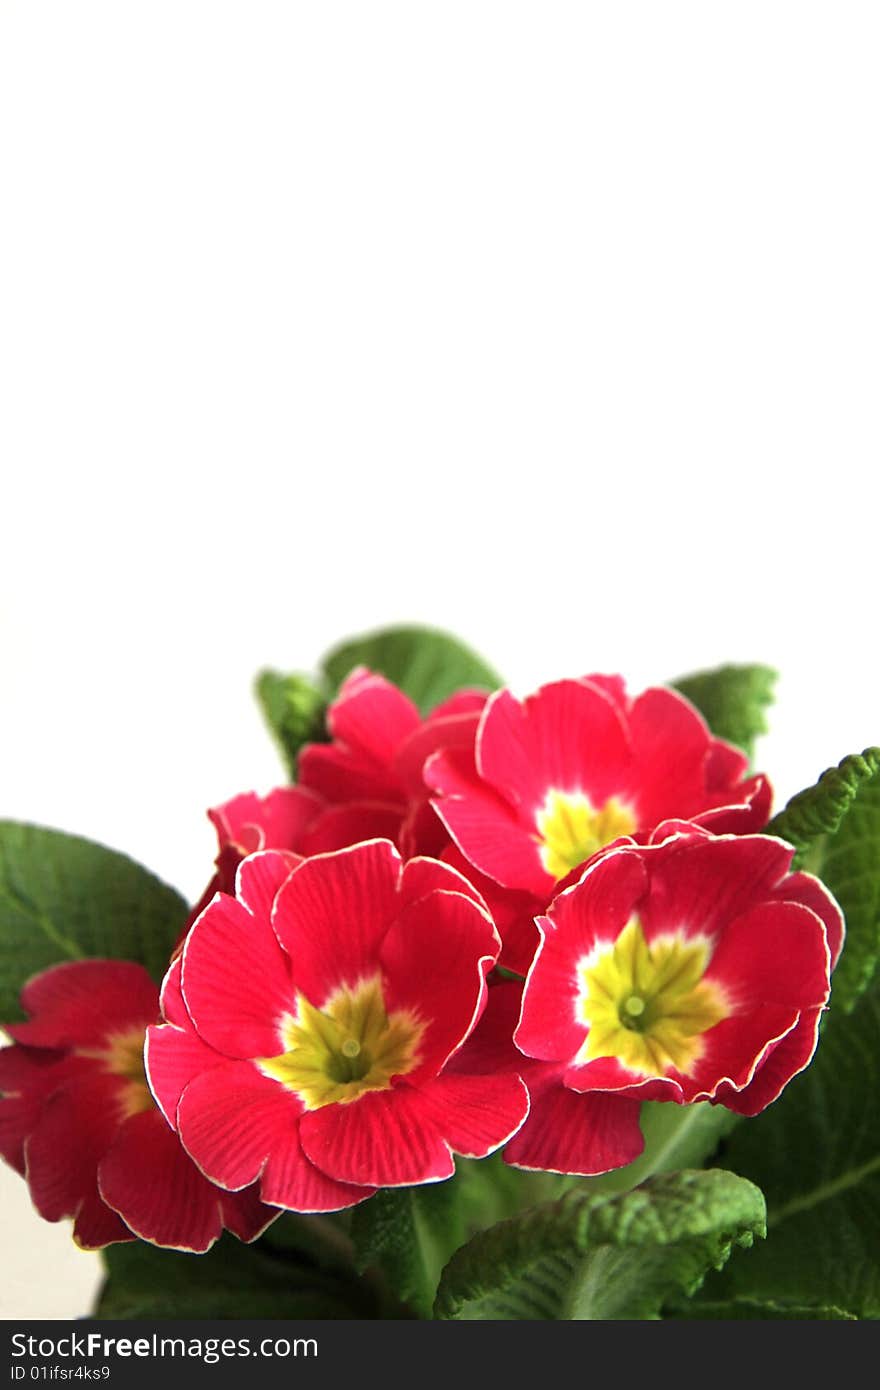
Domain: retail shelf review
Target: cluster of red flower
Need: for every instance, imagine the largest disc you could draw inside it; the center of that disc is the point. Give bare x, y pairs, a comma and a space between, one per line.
333, 1020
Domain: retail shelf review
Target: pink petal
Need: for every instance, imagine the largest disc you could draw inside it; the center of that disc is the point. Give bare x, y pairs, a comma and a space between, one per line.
259, 878
232, 1118
476, 1114
244, 1214
609, 1074
332, 914
173, 1056
236, 981
490, 1049
747, 815
423, 875
791, 1055
571, 1133
171, 995
467, 701
82, 1002
276, 821
340, 774
699, 884
614, 687
810, 892
372, 716
77, 1125
492, 837
340, 826
18, 1116
291, 1181
670, 744
461, 944
156, 1188
96, 1226
454, 731
384, 1139
568, 736
775, 953
725, 765
735, 1049
594, 911
513, 913
28, 1076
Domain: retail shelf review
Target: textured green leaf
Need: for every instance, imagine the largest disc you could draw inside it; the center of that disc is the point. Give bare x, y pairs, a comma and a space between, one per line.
835, 827
428, 665
408, 1234
231, 1281
62, 898
294, 709
602, 1256
751, 1310
816, 1154
732, 700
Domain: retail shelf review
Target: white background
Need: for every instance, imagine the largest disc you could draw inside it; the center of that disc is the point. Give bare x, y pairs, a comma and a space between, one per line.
555, 325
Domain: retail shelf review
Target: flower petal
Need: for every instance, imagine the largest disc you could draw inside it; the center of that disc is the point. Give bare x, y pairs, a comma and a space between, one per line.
236, 980
62, 1002
476, 1114
96, 1226
423, 875
810, 892
699, 883
78, 1124
580, 1134
332, 914
244, 1214
384, 1139
232, 1118
291, 1181
776, 953
276, 821
459, 940
568, 735
156, 1188
595, 910
173, 1056
788, 1058
340, 826
372, 716
259, 878
490, 835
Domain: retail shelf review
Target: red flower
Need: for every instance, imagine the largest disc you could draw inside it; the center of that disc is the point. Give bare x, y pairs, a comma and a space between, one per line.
692, 968
78, 1121
379, 747
309, 1034
575, 766
292, 819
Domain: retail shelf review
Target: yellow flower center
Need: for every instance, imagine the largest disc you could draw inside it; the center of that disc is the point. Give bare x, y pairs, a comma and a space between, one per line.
335, 1054
571, 829
648, 1005
123, 1055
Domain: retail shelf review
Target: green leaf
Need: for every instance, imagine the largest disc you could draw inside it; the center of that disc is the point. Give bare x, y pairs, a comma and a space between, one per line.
408, 1234
231, 1281
816, 1154
294, 709
63, 898
835, 827
751, 1309
676, 1136
601, 1256
427, 664
732, 700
